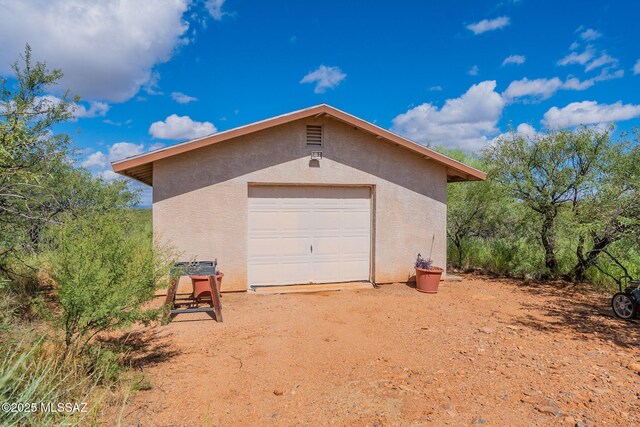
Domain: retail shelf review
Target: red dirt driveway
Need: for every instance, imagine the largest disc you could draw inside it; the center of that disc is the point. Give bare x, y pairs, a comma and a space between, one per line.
480, 352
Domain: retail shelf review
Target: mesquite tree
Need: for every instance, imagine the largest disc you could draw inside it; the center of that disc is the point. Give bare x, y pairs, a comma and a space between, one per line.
29, 149
475, 209
106, 269
39, 186
551, 172
610, 212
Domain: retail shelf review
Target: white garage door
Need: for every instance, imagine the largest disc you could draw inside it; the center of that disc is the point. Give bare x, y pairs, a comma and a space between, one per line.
308, 234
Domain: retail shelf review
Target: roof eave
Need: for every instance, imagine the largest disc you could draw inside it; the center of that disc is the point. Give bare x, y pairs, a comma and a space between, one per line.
126, 167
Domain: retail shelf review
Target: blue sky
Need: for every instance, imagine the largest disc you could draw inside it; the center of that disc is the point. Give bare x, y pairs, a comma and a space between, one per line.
153, 74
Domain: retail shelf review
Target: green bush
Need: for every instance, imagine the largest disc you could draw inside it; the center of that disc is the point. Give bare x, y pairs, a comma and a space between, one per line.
551, 206
106, 270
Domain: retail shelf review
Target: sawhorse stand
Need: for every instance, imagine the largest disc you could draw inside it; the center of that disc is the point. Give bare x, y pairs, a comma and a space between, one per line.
200, 268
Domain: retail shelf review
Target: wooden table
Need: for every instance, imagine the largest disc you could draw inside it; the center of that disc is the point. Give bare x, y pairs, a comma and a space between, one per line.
196, 268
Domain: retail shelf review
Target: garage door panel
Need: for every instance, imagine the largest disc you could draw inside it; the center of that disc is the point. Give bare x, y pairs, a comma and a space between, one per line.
354, 245
278, 247
296, 221
356, 220
283, 273
350, 270
309, 234
327, 245
327, 220
263, 220
339, 270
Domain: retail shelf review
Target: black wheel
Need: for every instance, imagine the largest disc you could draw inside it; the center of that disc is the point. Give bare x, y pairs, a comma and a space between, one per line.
623, 306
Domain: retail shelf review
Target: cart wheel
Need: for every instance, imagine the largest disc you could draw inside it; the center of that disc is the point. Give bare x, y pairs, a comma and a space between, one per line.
623, 306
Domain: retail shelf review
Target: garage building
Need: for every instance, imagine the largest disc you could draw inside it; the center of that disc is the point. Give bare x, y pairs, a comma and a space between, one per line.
313, 196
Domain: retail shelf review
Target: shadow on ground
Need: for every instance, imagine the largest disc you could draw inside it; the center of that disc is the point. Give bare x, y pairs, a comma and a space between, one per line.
142, 348
579, 308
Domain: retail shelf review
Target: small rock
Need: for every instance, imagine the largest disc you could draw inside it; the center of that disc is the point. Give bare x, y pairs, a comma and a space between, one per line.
487, 330
634, 367
580, 424
513, 328
549, 410
569, 421
527, 399
278, 392
548, 407
479, 421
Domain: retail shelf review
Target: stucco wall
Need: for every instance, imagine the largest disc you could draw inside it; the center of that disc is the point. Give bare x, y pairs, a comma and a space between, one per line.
200, 198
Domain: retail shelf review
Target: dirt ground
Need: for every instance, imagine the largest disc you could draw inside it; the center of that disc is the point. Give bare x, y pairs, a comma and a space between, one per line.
480, 352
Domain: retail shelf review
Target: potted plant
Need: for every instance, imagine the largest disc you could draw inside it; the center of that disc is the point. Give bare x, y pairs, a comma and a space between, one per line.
427, 276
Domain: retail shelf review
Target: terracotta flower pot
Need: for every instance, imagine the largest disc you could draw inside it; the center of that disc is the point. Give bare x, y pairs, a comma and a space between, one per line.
201, 287
428, 280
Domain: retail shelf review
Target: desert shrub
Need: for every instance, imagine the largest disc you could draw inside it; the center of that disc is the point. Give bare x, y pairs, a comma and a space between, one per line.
106, 270
57, 218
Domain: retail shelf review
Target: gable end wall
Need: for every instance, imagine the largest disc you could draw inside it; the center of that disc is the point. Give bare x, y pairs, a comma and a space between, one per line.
200, 197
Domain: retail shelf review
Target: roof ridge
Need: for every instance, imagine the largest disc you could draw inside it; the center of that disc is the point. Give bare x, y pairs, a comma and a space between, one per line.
465, 172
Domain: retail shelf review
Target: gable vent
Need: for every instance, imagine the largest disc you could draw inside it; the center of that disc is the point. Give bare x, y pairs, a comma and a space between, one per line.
314, 135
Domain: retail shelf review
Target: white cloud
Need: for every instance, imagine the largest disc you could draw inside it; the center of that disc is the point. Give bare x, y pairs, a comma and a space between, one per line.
106, 49
181, 98
606, 74
574, 83
152, 86
112, 123
523, 129
214, 7
122, 150
464, 122
156, 146
636, 67
592, 59
473, 71
578, 58
97, 159
590, 34
603, 59
537, 89
324, 77
96, 109
574, 46
589, 112
435, 89
489, 25
541, 89
109, 175
180, 127
99, 162
526, 129
79, 111
514, 59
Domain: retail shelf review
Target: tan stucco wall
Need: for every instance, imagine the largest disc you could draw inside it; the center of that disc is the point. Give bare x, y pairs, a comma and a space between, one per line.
200, 198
